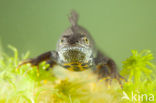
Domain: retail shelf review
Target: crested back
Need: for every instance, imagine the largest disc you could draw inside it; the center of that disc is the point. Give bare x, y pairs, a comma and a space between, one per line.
73, 18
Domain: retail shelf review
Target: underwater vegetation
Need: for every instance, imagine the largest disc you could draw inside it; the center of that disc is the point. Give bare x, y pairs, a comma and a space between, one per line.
30, 85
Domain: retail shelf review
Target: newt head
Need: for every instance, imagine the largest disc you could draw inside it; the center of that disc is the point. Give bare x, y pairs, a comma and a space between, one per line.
75, 44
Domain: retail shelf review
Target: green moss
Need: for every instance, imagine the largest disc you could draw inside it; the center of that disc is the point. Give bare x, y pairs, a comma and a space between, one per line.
141, 74
28, 85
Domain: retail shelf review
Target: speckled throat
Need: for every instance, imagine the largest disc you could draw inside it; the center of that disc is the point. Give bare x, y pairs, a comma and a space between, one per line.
74, 56
76, 59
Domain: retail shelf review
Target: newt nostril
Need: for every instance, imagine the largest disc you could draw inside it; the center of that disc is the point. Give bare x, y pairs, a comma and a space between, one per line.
72, 41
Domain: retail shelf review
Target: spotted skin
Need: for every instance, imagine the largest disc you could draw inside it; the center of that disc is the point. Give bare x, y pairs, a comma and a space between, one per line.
76, 51
76, 66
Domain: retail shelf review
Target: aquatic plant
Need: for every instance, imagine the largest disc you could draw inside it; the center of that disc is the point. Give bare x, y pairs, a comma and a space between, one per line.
31, 85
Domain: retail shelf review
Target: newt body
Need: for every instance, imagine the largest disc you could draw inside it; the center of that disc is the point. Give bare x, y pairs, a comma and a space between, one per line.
76, 51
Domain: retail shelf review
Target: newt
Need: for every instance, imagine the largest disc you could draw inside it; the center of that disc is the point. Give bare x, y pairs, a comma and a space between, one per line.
76, 51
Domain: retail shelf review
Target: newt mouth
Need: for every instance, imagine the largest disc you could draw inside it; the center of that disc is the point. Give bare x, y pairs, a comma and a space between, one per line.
74, 48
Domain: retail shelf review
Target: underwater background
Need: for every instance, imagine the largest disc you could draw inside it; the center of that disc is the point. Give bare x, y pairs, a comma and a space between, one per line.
117, 26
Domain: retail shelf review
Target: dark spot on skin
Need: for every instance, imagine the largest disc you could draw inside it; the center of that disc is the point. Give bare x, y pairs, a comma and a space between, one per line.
84, 64
66, 66
76, 69
85, 67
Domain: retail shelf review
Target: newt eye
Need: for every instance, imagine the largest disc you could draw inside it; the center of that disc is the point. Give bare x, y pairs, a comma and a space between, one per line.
62, 41
86, 40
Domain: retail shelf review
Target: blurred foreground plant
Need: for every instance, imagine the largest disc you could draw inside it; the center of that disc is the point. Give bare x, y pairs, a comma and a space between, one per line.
27, 85
141, 75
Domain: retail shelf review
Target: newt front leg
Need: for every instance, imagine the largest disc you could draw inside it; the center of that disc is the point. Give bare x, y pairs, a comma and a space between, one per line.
106, 68
50, 57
